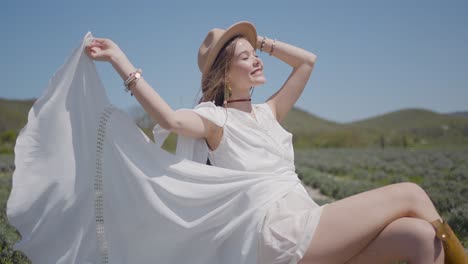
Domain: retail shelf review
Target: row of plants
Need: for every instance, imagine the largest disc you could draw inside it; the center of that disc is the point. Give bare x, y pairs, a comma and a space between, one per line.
8, 235
443, 173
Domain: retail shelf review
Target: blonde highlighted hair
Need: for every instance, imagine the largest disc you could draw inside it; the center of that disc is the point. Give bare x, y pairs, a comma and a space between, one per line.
214, 81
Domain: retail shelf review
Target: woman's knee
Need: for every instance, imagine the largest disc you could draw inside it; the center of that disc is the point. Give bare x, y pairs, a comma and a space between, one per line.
412, 196
411, 190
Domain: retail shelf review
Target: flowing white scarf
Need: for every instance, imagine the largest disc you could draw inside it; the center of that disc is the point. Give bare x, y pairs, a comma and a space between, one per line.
90, 187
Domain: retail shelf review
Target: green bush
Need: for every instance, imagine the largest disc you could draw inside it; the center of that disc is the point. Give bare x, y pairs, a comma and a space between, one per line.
8, 136
8, 235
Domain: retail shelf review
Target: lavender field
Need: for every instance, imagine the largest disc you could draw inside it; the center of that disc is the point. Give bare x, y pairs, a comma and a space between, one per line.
337, 173
443, 173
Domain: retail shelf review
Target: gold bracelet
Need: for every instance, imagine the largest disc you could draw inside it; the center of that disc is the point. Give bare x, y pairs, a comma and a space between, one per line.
272, 47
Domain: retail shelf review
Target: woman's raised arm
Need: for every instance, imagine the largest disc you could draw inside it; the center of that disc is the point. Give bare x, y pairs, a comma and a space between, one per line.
183, 122
302, 62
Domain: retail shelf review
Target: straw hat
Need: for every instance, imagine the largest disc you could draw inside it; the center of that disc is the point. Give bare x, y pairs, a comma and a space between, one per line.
217, 38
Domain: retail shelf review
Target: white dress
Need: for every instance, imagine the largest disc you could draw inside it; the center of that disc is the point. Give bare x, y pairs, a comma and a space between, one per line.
90, 187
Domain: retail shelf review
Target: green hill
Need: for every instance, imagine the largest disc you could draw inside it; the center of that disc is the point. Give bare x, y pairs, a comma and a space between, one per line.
416, 127
408, 128
460, 114
299, 121
312, 131
408, 118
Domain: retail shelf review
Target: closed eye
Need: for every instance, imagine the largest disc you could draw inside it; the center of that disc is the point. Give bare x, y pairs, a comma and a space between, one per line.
246, 54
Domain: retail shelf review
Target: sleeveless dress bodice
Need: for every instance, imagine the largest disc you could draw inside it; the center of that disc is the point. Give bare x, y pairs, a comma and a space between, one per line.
253, 143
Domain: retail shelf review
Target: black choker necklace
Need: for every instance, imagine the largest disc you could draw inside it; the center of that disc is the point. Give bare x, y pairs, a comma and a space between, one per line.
240, 100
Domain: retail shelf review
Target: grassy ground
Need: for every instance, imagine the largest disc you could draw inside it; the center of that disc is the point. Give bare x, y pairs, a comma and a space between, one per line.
443, 173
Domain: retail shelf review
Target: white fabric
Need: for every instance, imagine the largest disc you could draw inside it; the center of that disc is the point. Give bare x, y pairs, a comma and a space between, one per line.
188, 148
288, 228
90, 187
254, 143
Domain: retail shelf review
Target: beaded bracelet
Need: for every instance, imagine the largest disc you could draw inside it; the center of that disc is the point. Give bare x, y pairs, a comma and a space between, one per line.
272, 47
132, 77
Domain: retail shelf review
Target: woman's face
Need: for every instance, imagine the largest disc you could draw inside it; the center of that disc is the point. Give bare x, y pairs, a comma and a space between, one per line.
246, 69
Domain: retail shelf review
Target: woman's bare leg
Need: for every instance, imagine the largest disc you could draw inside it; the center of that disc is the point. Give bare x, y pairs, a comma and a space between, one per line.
405, 239
347, 226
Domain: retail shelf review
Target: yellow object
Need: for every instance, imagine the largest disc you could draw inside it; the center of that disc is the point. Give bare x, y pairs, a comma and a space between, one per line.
453, 249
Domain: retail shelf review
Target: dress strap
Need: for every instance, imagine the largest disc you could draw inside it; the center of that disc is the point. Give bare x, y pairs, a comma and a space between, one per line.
211, 112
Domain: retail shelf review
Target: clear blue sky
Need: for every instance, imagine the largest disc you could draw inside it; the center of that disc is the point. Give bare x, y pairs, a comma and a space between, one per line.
373, 56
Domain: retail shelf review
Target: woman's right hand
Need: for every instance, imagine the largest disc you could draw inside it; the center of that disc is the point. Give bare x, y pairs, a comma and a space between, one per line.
103, 50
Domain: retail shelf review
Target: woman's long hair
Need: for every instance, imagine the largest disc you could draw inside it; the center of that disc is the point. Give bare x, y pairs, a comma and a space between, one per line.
214, 82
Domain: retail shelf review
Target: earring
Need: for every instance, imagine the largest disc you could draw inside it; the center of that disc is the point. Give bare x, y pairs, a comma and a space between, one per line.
227, 93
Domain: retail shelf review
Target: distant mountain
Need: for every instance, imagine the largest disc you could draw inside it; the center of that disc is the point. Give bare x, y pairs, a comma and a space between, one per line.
417, 127
300, 121
407, 127
312, 131
460, 114
407, 119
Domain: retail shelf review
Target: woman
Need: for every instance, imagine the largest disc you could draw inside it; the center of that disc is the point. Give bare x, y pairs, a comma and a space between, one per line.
379, 226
